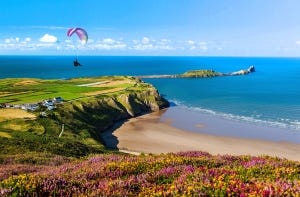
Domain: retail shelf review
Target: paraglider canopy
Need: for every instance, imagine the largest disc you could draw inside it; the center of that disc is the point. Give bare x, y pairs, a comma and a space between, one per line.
81, 33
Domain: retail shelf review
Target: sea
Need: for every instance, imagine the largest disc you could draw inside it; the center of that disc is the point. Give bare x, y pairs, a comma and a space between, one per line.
269, 97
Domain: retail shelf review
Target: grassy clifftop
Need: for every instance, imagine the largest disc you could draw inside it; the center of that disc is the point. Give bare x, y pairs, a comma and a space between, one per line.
90, 106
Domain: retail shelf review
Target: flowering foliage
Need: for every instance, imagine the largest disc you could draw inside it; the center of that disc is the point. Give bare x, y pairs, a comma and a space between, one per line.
181, 174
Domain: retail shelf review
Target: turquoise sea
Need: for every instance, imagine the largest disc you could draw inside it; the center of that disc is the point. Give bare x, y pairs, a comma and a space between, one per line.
270, 96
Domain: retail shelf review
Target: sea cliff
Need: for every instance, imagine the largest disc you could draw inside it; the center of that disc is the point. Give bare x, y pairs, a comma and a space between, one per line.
101, 112
70, 124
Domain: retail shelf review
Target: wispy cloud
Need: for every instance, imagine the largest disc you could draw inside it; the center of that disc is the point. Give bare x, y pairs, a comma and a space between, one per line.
17, 44
38, 27
147, 44
143, 45
197, 45
49, 27
107, 44
27, 39
12, 40
145, 40
203, 46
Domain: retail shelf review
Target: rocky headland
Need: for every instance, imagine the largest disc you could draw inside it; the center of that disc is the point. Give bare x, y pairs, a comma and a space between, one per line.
202, 74
73, 126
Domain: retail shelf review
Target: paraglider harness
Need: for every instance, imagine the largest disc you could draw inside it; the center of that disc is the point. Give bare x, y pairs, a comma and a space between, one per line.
76, 63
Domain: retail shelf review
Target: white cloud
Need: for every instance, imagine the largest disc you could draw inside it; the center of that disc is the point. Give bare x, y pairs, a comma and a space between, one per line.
298, 42
164, 41
195, 45
28, 44
145, 40
143, 47
164, 44
135, 41
7, 40
91, 41
12, 40
108, 44
69, 47
47, 38
108, 41
147, 44
190, 42
202, 43
191, 45
109, 47
203, 46
192, 48
143, 44
26, 41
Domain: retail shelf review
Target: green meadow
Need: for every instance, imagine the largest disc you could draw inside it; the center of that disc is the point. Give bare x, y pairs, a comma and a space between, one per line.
21, 91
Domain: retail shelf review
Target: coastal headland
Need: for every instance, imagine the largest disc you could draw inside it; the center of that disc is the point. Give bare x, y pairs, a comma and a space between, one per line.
69, 113
94, 114
72, 138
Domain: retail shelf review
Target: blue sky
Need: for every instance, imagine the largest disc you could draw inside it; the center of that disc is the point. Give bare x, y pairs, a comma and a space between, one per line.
152, 27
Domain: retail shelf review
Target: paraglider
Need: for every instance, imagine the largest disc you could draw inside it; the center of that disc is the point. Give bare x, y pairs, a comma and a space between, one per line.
76, 63
82, 35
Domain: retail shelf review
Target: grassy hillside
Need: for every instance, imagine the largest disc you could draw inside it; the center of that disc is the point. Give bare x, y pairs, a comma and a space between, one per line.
181, 174
90, 106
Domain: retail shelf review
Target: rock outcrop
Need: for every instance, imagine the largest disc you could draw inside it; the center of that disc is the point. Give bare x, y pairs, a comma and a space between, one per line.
242, 72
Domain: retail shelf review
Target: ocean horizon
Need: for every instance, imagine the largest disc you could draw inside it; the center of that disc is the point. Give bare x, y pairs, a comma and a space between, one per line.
268, 97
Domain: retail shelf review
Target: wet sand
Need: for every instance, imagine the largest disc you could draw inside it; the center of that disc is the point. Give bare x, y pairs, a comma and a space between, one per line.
155, 133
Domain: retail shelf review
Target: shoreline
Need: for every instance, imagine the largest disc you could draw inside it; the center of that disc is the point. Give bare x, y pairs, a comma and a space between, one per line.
201, 122
156, 133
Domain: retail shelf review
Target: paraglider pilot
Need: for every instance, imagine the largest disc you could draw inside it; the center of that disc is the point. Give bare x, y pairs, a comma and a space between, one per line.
83, 36
76, 63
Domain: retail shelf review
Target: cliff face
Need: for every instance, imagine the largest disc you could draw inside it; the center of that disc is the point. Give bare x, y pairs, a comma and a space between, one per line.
96, 114
73, 126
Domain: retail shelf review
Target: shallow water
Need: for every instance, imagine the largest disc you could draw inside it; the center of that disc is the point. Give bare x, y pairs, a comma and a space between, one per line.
183, 118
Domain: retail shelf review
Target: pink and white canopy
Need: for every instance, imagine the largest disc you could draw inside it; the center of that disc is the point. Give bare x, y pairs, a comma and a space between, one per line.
81, 33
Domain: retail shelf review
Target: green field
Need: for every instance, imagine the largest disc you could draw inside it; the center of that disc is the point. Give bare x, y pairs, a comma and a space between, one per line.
21, 91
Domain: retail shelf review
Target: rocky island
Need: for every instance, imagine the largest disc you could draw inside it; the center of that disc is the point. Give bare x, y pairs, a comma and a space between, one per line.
202, 74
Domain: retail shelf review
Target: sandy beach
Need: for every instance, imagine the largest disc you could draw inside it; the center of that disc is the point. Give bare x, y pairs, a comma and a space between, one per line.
152, 134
